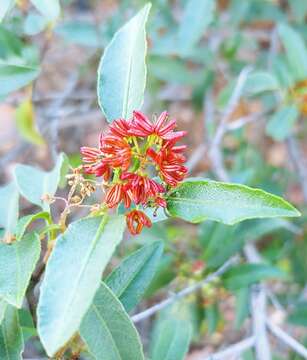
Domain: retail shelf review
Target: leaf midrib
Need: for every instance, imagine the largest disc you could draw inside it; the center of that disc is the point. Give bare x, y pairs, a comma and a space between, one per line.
81, 272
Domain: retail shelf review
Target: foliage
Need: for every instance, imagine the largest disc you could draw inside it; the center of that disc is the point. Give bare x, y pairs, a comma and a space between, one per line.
89, 280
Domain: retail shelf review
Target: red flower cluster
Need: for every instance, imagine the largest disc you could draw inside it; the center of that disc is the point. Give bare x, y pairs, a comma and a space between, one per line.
126, 156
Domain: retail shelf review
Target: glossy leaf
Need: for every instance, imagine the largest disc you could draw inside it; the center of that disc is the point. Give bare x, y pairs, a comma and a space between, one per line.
25, 120
196, 18
5, 6
247, 274
14, 77
83, 33
298, 315
73, 275
282, 122
11, 340
17, 262
260, 81
26, 324
3, 305
50, 9
171, 340
9, 198
25, 221
131, 278
108, 331
122, 69
34, 183
199, 200
296, 51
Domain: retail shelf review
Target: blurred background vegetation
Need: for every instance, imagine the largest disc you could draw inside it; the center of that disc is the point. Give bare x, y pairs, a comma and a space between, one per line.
234, 75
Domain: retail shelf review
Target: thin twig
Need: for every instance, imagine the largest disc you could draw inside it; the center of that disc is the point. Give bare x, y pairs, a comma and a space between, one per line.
189, 290
299, 163
287, 339
233, 350
258, 309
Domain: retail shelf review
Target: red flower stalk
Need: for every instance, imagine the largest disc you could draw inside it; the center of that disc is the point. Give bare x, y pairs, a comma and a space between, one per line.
127, 151
136, 220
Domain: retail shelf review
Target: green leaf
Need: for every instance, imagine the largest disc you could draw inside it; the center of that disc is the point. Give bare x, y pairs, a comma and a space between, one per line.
196, 18
171, 339
260, 81
298, 315
122, 69
5, 6
108, 331
246, 274
26, 324
11, 340
9, 207
25, 121
131, 278
282, 122
34, 24
3, 305
50, 9
296, 51
242, 306
25, 221
83, 33
34, 184
173, 70
298, 9
14, 77
199, 200
17, 262
73, 275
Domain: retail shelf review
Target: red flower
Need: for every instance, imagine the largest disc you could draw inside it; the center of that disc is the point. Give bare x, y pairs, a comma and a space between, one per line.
126, 152
116, 151
170, 163
159, 201
120, 128
94, 163
136, 220
142, 187
118, 193
142, 126
165, 131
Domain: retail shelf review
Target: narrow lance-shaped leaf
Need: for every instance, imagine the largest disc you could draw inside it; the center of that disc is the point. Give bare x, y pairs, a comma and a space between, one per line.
9, 198
171, 339
17, 262
34, 183
282, 122
5, 6
25, 221
131, 278
247, 274
122, 69
14, 77
50, 9
11, 340
196, 18
3, 305
25, 119
296, 51
72, 276
108, 331
199, 200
